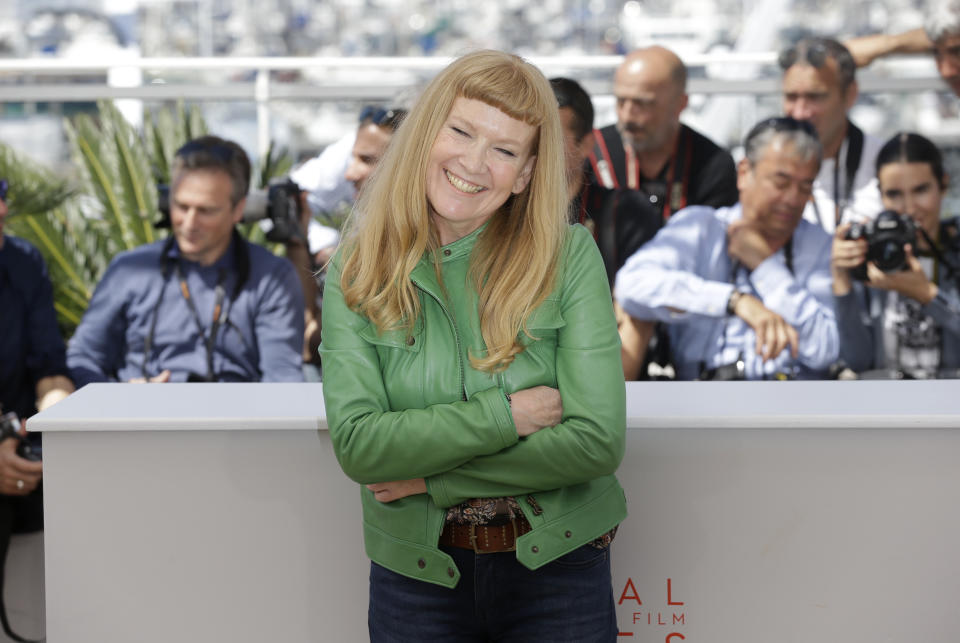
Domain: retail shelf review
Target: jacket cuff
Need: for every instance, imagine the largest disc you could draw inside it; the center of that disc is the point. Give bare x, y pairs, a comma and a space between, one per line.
437, 490
497, 407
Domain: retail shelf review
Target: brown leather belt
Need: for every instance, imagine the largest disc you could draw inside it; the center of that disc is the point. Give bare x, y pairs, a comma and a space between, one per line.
485, 539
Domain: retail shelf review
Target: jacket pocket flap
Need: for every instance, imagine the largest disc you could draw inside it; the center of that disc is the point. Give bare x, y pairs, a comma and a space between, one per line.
408, 340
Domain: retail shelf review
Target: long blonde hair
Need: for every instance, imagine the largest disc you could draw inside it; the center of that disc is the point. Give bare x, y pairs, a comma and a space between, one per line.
515, 258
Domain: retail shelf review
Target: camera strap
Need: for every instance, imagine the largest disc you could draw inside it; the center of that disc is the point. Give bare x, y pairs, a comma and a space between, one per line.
218, 294
242, 268
854, 141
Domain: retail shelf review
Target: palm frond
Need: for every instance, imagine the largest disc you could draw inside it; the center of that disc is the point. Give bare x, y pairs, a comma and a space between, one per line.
33, 188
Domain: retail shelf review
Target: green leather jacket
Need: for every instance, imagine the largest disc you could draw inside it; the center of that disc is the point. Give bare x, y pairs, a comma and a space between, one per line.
403, 405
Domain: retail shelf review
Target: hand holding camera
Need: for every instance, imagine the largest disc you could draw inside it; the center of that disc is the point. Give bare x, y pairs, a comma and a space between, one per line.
880, 252
20, 465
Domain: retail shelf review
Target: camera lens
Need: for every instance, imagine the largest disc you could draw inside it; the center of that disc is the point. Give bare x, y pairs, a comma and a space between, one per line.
890, 255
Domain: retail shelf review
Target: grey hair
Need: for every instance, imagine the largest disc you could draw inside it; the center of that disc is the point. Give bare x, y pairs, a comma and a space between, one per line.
942, 19
783, 131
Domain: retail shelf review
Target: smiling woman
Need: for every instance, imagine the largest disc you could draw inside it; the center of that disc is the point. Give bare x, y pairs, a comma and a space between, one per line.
472, 374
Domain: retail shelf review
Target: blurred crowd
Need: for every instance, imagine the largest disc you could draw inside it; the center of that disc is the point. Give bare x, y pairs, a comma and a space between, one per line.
822, 253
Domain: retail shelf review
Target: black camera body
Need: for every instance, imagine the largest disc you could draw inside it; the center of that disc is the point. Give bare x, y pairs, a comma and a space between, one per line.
886, 237
26, 448
279, 204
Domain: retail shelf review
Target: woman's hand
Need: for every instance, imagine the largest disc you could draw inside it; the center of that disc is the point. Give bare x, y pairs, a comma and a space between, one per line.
536, 408
845, 254
912, 282
390, 491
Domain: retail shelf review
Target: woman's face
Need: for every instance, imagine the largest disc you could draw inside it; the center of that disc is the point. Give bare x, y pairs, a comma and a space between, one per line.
480, 157
912, 189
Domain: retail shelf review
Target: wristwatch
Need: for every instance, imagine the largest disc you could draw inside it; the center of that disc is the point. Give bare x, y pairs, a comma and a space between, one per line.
732, 301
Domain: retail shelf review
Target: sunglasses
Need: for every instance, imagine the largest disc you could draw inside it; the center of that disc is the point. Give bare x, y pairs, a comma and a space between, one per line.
382, 117
3, 189
814, 54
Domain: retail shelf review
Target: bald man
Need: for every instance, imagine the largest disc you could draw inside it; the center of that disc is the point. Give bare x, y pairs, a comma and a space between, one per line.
650, 154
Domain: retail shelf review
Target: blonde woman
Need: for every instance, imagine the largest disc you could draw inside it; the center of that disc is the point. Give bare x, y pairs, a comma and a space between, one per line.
472, 374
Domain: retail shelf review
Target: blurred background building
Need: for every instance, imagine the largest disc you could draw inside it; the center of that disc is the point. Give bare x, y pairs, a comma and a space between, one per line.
310, 106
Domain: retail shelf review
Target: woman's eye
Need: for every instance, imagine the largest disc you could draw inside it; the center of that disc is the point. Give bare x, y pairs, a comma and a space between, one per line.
506, 152
457, 130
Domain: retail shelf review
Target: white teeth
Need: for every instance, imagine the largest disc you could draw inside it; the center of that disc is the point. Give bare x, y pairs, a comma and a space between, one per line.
462, 185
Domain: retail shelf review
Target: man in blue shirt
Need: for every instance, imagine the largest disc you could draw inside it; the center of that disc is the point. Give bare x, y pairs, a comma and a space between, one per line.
745, 290
204, 305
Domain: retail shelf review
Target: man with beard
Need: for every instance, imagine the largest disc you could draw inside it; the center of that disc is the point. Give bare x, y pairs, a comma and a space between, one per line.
650, 152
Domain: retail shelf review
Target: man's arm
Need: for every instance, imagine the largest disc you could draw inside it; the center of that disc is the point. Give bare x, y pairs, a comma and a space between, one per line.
659, 282
866, 49
635, 336
803, 298
52, 389
298, 253
279, 325
96, 350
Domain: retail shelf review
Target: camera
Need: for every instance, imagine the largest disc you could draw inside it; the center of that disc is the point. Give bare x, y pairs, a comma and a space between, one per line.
886, 237
734, 371
278, 206
28, 448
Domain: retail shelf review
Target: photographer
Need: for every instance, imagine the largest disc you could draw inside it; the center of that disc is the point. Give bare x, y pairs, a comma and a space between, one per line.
744, 291
33, 375
903, 321
203, 305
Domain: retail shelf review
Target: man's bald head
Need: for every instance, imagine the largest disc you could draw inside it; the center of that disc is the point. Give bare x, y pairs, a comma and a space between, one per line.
650, 87
654, 61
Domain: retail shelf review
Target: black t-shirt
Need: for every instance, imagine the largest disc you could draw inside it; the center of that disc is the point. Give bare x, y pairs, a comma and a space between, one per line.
622, 219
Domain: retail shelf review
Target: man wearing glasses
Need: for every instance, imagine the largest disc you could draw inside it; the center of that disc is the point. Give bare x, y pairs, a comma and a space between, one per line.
745, 291
819, 86
204, 305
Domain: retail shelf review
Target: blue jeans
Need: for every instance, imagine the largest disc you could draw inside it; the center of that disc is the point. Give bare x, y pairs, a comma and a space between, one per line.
498, 599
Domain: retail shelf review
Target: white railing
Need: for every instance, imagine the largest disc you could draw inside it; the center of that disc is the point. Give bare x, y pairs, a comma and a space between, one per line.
344, 78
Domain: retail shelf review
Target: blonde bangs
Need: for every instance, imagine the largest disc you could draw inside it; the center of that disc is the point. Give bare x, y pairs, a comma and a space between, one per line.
514, 262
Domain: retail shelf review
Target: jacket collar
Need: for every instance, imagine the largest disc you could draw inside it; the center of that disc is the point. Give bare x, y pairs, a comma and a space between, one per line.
424, 274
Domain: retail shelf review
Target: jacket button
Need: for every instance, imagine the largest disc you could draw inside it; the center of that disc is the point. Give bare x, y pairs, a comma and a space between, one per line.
569, 534
446, 253
450, 572
535, 549
411, 340
421, 563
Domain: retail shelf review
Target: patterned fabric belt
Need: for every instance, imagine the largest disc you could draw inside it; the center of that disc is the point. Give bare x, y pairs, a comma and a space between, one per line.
484, 539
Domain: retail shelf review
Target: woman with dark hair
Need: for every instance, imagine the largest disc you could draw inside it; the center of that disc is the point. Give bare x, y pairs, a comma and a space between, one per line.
472, 376
903, 322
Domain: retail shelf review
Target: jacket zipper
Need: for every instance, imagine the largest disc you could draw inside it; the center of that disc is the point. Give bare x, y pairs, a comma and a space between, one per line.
456, 336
